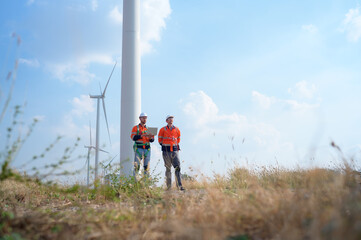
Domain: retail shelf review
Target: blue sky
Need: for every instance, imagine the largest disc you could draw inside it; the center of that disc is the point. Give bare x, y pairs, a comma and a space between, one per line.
250, 82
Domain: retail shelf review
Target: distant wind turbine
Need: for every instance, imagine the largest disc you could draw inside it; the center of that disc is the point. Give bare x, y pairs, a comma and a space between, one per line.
88, 157
98, 97
105, 169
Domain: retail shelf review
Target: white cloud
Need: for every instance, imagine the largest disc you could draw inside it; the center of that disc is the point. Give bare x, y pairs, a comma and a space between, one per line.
96, 58
69, 127
77, 71
300, 107
72, 123
204, 118
29, 62
94, 5
303, 90
82, 105
153, 15
74, 64
201, 107
262, 100
352, 24
310, 28
273, 129
72, 73
116, 16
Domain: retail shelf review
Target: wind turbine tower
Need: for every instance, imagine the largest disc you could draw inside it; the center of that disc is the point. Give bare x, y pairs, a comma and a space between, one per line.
88, 157
131, 81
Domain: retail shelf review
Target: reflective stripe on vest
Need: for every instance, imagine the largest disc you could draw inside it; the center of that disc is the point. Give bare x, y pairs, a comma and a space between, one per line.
138, 143
173, 141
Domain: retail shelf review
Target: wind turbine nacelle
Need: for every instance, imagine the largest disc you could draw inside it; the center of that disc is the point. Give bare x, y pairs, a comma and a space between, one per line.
96, 96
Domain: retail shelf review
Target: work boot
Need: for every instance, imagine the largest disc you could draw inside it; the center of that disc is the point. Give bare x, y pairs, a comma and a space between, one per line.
182, 188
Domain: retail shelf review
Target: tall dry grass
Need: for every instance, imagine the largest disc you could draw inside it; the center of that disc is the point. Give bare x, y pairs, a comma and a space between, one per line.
244, 204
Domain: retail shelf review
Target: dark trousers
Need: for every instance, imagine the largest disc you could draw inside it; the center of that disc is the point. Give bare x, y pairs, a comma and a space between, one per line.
172, 158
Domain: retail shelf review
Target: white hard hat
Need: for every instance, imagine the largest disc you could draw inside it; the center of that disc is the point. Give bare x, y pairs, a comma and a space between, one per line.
143, 114
169, 116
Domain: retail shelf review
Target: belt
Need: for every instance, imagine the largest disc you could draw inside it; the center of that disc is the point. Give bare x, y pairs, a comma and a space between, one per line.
168, 148
142, 145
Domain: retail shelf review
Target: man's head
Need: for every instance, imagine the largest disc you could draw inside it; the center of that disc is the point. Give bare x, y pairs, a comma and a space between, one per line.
143, 118
170, 119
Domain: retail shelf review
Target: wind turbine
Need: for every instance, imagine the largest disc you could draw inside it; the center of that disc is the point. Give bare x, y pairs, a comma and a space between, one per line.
100, 97
106, 176
89, 147
131, 81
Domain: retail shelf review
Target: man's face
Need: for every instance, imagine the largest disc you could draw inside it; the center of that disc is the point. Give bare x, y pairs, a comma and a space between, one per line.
143, 120
170, 121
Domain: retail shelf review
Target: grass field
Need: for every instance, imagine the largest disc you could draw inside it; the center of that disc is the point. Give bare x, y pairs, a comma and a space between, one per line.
267, 204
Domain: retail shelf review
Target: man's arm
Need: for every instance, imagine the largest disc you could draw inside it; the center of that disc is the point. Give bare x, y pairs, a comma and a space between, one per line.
179, 134
160, 136
134, 135
137, 137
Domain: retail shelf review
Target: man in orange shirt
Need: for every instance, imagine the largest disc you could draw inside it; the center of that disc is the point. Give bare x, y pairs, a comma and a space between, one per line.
142, 142
169, 138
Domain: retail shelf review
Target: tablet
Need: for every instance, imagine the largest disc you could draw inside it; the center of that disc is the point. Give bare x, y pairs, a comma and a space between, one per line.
152, 130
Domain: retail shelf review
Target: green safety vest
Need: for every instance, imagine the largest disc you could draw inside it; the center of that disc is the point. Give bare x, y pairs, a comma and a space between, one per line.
136, 145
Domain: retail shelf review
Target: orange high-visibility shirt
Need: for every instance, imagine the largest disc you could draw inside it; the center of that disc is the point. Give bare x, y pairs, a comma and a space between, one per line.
169, 136
139, 130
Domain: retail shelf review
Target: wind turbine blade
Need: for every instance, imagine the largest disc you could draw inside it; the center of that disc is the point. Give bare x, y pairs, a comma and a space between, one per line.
91, 147
106, 120
103, 150
112, 159
87, 158
90, 130
109, 79
100, 87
